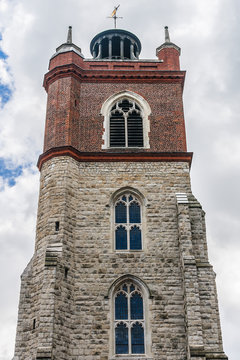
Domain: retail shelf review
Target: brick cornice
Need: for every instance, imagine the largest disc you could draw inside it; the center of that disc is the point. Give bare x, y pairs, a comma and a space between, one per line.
110, 75
114, 156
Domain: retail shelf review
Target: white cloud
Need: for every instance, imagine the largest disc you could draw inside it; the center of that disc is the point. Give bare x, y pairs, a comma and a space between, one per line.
3, 6
17, 225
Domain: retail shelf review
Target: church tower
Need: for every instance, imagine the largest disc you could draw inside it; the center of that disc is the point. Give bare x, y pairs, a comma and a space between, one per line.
120, 268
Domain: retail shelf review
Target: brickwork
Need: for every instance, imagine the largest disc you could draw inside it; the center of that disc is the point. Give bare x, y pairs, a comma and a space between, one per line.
169, 60
73, 114
170, 57
73, 313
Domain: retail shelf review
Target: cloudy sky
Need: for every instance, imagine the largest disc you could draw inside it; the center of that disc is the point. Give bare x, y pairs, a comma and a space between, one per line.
208, 32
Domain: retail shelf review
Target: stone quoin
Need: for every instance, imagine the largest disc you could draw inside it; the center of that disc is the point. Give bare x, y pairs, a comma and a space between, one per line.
120, 268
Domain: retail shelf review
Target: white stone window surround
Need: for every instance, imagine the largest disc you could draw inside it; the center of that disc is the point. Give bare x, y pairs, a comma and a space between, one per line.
142, 201
145, 112
147, 300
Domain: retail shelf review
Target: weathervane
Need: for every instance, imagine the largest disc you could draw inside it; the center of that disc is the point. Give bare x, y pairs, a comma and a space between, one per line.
114, 16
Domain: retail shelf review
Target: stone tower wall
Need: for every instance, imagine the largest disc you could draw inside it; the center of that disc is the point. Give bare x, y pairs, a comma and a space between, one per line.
66, 286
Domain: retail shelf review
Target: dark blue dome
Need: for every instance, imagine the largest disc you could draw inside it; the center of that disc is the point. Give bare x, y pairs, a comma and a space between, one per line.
115, 44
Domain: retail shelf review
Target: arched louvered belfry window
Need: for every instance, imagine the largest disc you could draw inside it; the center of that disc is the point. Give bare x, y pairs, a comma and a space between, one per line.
126, 124
128, 223
129, 319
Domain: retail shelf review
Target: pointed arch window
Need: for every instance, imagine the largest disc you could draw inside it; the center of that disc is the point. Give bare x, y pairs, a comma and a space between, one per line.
126, 124
128, 223
129, 322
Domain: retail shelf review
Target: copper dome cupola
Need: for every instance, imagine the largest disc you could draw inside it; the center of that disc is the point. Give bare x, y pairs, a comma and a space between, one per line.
115, 44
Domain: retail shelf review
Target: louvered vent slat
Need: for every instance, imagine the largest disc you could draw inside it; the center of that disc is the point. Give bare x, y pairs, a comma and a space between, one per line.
117, 131
135, 131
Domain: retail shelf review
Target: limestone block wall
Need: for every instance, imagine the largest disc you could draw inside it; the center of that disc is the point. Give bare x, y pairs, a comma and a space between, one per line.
74, 267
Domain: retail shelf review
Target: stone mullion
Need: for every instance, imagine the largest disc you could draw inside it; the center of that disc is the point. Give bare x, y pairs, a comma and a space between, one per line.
128, 225
126, 129
129, 326
190, 280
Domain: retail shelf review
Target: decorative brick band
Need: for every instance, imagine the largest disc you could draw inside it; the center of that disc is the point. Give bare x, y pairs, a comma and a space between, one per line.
114, 156
121, 75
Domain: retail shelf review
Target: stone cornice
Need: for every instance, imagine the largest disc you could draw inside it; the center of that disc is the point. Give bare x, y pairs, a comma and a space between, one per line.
106, 156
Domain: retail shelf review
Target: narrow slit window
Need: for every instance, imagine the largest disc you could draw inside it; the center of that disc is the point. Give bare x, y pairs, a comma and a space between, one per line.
66, 272
57, 225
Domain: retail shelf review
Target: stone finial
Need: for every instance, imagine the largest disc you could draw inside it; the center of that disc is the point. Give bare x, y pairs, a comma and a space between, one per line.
167, 44
69, 37
167, 37
68, 45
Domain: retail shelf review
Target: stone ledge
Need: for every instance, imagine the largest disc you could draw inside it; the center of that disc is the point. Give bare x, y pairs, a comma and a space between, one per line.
199, 352
131, 357
44, 353
216, 356
189, 261
52, 253
203, 264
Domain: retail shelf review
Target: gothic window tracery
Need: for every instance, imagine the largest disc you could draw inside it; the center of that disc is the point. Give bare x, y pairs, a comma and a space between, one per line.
126, 124
128, 223
129, 322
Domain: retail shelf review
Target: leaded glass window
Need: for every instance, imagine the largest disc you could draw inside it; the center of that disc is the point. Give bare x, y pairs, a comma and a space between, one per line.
126, 124
128, 226
129, 321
